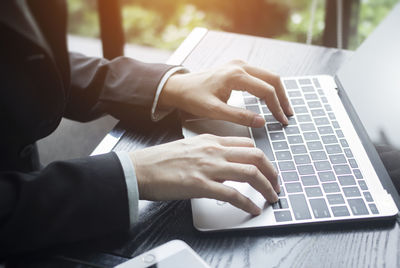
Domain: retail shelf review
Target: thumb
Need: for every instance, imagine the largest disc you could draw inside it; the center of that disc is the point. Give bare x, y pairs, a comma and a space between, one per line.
239, 116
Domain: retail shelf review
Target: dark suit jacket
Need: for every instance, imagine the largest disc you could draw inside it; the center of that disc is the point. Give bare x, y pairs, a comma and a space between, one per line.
41, 82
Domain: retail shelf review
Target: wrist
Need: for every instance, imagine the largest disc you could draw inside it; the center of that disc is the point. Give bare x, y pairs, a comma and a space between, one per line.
169, 96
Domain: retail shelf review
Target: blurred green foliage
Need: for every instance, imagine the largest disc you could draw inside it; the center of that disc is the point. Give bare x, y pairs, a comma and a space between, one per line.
165, 23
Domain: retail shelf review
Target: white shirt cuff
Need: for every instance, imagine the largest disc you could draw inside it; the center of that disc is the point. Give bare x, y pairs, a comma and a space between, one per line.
157, 115
131, 186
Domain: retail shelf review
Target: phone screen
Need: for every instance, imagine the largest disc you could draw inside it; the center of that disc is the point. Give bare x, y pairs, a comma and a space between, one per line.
181, 259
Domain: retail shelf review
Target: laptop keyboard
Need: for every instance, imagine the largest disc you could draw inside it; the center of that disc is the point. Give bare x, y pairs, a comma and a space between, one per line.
318, 174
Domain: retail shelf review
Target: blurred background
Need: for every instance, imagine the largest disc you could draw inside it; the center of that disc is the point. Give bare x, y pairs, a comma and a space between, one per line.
165, 23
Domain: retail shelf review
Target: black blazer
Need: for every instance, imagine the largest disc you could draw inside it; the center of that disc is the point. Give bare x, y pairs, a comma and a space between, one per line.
40, 82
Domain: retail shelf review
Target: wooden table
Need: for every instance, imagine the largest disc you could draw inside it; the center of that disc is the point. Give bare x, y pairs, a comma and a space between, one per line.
345, 245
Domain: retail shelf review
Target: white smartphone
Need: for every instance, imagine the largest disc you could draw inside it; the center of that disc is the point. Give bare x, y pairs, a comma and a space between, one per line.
173, 254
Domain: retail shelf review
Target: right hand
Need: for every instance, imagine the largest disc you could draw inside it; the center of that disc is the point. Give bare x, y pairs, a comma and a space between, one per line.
197, 167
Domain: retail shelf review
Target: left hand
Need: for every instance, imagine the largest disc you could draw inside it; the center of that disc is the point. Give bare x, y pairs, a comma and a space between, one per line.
205, 93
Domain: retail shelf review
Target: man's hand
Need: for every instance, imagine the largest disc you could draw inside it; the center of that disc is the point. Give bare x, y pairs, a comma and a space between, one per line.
205, 94
196, 167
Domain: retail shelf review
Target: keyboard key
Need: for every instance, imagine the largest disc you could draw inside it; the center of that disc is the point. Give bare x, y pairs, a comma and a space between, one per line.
292, 130
329, 139
318, 112
337, 159
294, 187
325, 130
304, 118
298, 149
302, 159
309, 180
286, 165
300, 109
326, 176
270, 118
321, 92
274, 127
280, 145
319, 121
283, 215
373, 208
262, 142
292, 121
333, 149
283, 155
328, 107
331, 187
319, 208
290, 84
363, 185
351, 191
290, 176
358, 174
247, 94
335, 199
253, 108
368, 197
307, 89
304, 81
322, 165
318, 155
283, 203
324, 100
335, 124
311, 136
342, 169
294, 94
251, 100
347, 180
306, 169
344, 143
313, 191
276, 136
316, 82
340, 211
282, 192
314, 145
297, 101
358, 206
348, 152
295, 139
339, 133
311, 96
299, 206
314, 104
353, 163
307, 127
331, 116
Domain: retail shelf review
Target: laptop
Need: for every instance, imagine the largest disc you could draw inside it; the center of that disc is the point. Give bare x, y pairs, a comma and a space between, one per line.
329, 170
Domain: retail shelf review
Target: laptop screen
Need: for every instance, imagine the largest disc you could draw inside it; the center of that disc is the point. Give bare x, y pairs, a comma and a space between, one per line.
371, 79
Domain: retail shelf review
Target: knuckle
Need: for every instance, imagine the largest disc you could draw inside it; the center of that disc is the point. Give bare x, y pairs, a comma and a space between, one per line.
233, 195
212, 149
238, 62
258, 155
251, 171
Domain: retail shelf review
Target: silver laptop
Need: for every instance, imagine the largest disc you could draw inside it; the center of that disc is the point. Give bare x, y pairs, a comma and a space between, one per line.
328, 168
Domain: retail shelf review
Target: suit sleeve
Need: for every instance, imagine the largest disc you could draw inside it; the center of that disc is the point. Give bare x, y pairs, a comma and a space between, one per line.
123, 87
66, 202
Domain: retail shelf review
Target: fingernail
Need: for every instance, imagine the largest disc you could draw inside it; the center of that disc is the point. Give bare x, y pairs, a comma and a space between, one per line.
285, 119
258, 121
278, 188
291, 112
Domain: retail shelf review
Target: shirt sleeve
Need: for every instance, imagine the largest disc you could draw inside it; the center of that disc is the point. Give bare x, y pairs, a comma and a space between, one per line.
131, 185
158, 114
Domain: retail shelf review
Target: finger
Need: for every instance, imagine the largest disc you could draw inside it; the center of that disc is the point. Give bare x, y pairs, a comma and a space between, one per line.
254, 156
250, 174
228, 194
238, 116
236, 141
275, 81
264, 91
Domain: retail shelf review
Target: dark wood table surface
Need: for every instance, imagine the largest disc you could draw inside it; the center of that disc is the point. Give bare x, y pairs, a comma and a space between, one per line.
373, 244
